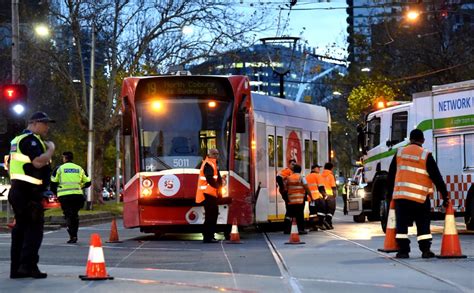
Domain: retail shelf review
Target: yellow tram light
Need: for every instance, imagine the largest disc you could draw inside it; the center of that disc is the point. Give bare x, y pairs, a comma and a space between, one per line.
212, 104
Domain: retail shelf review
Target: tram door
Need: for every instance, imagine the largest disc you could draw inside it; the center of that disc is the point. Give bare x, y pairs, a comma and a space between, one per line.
272, 172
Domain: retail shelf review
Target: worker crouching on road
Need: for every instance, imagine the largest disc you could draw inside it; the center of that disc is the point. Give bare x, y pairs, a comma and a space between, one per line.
317, 205
412, 173
331, 194
282, 188
297, 191
68, 181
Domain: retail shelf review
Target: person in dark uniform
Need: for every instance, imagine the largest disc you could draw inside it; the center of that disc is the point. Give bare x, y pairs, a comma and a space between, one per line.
68, 181
30, 157
209, 190
411, 176
280, 180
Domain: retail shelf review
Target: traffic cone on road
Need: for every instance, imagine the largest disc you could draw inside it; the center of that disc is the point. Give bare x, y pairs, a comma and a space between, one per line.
390, 244
450, 245
234, 234
294, 236
95, 269
113, 238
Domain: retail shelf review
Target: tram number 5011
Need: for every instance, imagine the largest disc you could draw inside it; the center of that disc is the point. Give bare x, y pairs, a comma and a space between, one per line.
180, 163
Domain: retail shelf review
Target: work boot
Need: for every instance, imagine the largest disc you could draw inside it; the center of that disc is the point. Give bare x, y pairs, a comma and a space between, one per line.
72, 240
428, 254
34, 272
326, 225
402, 255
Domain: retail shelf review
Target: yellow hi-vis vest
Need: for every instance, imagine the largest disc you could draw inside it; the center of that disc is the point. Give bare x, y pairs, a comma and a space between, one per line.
314, 180
70, 178
18, 160
203, 186
412, 181
296, 190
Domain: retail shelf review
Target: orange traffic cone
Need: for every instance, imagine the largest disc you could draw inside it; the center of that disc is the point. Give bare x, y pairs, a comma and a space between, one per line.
234, 234
114, 238
450, 245
95, 269
390, 244
294, 236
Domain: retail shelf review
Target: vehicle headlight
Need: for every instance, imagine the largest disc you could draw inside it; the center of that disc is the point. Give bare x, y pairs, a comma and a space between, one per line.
361, 193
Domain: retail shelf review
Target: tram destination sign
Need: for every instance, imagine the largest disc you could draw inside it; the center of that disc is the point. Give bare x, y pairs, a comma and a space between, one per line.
183, 86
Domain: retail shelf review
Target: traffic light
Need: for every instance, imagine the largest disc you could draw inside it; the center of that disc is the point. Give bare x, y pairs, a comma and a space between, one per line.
13, 97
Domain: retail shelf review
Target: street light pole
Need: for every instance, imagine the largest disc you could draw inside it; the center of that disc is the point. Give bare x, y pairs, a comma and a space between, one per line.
90, 140
15, 43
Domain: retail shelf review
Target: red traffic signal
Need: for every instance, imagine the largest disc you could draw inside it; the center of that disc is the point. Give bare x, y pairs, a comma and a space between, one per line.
14, 97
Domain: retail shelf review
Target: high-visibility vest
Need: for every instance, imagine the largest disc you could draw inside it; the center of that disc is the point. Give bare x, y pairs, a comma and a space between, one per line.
412, 181
18, 161
284, 173
329, 181
296, 190
314, 180
70, 178
203, 186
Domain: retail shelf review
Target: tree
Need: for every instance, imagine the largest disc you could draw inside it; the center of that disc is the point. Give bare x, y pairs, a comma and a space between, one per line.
364, 97
134, 38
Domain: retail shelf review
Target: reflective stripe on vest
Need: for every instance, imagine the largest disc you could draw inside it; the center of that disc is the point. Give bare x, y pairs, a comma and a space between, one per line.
18, 160
296, 190
412, 181
314, 181
203, 186
70, 178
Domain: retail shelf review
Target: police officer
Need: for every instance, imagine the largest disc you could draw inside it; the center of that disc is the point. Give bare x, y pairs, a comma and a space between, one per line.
297, 191
67, 181
280, 180
30, 157
331, 194
317, 205
208, 191
412, 173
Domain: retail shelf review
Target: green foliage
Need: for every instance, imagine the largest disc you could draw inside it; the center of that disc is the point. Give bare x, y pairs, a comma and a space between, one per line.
114, 208
363, 97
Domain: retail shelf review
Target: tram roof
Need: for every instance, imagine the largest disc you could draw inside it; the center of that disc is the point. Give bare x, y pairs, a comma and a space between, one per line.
289, 108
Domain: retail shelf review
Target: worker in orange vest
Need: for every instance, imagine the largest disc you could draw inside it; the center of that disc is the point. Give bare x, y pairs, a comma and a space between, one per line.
280, 179
208, 191
331, 194
317, 204
297, 191
411, 175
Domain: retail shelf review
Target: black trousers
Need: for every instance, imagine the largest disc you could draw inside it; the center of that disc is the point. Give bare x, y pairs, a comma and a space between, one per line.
71, 204
27, 235
318, 207
407, 211
330, 207
211, 212
297, 211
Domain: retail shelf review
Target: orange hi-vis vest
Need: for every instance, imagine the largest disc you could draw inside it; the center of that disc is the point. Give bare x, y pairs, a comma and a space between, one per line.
296, 190
412, 181
285, 173
329, 181
314, 180
203, 186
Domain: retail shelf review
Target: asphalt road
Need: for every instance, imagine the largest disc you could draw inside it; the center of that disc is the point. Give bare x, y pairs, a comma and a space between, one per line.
342, 259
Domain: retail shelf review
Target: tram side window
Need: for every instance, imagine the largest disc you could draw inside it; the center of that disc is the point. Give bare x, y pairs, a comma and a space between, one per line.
279, 151
271, 150
373, 133
315, 152
469, 151
399, 127
242, 154
307, 154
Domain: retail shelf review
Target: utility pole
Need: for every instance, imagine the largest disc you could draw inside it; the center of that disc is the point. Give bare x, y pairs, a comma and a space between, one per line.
15, 42
90, 139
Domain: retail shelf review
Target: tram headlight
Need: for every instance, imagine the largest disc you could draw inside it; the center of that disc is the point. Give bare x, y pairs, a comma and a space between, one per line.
147, 183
